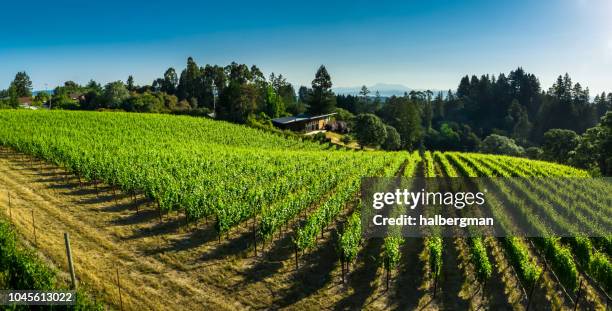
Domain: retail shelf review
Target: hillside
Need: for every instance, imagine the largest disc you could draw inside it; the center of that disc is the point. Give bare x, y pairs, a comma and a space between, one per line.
193, 212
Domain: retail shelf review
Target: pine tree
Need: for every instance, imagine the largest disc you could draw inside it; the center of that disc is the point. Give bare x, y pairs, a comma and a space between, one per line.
22, 84
321, 99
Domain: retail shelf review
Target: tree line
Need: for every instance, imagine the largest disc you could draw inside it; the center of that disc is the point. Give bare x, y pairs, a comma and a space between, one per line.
234, 92
508, 114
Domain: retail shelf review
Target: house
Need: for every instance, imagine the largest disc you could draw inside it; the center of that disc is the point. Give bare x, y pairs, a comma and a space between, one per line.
77, 96
303, 122
26, 102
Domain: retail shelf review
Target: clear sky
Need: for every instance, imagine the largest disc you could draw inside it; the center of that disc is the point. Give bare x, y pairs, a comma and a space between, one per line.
420, 44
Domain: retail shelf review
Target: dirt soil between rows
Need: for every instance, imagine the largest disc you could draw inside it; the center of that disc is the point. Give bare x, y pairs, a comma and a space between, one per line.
169, 265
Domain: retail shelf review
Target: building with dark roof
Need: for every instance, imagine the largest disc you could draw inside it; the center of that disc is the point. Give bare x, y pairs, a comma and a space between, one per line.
303, 122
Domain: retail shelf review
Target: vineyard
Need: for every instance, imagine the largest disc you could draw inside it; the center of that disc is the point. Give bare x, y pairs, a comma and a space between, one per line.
288, 208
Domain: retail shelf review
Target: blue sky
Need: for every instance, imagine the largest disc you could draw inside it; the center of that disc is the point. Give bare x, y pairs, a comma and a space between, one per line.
420, 44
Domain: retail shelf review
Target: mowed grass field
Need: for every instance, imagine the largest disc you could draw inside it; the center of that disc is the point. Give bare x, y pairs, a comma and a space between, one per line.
195, 213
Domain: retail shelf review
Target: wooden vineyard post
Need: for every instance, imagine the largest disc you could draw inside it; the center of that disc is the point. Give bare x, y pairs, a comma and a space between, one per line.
119, 287
484, 283
161, 220
34, 228
388, 276
70, 264
435, 284
9, 206
533, 288
578, 295
296, 256
255, 233
342, 263
531, 295
117, 202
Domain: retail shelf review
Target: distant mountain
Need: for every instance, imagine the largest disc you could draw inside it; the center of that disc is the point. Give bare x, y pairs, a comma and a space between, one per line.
385, 90
50, 92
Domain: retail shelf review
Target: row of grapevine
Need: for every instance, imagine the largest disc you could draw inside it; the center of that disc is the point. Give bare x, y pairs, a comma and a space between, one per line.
433, 244
594, 262
518, 254
329, 210
391, 254
205, 168
559, 256
478, 252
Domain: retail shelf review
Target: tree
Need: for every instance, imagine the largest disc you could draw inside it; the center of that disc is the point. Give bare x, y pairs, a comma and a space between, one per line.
94, 86
274, 106
364, 104
603, 103
558, 143
403, 114
146, 102
370, 130
364, 92
13, 99
63, 100
303, 94
518, 122
321, 99
497, 144
115, 93
41, 98
283, 88
22, 84
239, 100
130, 84
392, 141
188, 87
534, 153
170, 81
344, 115
594, 150
93, 96
450, 139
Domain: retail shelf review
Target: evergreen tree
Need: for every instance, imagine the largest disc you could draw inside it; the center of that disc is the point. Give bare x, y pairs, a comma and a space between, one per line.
189, 83
518, 122
22, 85
170, 81
274, 106
321, 99
130, 84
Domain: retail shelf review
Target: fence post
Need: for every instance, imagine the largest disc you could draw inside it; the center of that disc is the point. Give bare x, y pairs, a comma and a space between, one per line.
70, 264
10, 207
34, 228
119, 287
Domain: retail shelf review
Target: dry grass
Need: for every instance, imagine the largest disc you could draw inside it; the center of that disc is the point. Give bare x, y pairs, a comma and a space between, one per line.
168, 265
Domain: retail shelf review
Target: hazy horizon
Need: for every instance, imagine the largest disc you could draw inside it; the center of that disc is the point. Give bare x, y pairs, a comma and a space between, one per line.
420, 45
